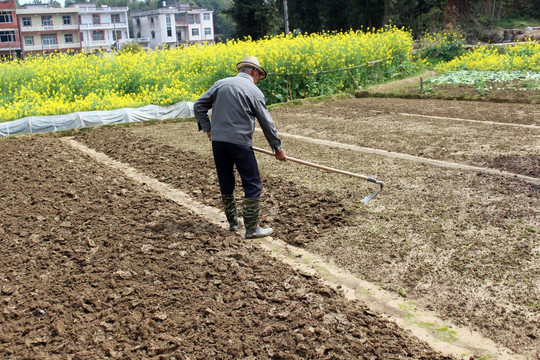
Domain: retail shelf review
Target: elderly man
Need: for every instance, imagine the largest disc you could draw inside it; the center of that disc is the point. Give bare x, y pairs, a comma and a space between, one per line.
236, 102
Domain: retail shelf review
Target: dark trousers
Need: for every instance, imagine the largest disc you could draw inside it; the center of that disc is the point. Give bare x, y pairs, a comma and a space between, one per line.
226, 156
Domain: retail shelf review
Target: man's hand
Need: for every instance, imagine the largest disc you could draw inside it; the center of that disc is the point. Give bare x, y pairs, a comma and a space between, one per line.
209, 134
280, 155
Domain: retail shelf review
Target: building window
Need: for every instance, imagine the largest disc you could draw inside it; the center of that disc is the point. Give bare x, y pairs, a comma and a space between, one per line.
117, 35
153, 34
46, 21
138, 35
6, 17
152, 20
98, 35
206, 16
26, 21
195, 32
194, 19
28, 40
115, 18
68, 38
48, 40
7, 36
169, 26
138, 21
95, 19
81, 35
207, 31
66, 20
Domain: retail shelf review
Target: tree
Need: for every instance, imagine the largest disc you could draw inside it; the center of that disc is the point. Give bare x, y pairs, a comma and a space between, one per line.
258, 18
255, 18
456, 10
304, 15
529, 8
223, 24
418, 15
331, 15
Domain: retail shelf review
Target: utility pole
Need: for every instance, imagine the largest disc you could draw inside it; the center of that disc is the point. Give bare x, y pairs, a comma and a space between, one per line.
286, 17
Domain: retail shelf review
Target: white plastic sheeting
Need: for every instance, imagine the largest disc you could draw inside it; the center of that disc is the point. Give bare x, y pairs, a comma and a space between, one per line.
40, 124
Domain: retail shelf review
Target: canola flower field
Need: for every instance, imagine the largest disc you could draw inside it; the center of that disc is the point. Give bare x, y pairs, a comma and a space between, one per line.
298, 66
521, 57
65, 83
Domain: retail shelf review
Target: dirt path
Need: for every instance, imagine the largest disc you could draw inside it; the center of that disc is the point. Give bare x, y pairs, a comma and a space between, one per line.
401, 83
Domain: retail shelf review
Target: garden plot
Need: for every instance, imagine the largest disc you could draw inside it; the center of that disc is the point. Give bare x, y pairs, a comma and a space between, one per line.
96, 266
478, 134
462, 243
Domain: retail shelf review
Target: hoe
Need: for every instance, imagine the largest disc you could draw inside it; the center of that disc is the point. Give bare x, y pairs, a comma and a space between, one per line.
322, 167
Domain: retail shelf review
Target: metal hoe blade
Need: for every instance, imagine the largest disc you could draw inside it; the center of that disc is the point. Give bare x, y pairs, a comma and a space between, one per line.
343, 172
369, 197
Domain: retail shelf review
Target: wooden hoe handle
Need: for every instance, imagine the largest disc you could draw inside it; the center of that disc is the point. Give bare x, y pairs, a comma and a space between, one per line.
338, 171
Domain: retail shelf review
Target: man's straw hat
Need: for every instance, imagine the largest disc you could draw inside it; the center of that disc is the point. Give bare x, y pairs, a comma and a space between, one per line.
252, 62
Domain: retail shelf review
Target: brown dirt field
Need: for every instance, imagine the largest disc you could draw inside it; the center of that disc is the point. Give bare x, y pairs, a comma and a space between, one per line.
94, 266
462, 243
380, 123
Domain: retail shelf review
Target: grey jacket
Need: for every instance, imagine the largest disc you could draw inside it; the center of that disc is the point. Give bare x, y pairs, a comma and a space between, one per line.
235, 102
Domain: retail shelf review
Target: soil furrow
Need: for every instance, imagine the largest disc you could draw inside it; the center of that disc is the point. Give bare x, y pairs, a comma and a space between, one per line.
96, 266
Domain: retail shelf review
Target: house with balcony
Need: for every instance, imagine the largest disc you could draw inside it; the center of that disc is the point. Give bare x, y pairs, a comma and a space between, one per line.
172, 26
194, 26
102, 27
44, 29
10, 44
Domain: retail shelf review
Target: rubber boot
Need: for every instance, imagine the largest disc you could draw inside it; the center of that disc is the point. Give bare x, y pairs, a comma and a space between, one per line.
231, 212
252, 208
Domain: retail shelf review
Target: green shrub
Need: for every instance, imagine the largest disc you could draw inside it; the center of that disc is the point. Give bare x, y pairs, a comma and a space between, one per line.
131, 48
443, 46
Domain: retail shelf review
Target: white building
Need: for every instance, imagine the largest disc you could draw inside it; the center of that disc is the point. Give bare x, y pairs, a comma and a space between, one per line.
153, 28
173, 26
194, 25
102, 26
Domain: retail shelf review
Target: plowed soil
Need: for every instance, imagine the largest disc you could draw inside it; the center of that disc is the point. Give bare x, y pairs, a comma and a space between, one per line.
94, 266
462, 243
